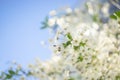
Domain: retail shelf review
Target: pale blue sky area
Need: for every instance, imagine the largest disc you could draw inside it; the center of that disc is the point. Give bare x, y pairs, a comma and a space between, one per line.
20, 33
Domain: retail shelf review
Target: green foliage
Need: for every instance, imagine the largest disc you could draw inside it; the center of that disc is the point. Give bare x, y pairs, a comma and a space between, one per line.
80, 58
69, 41
66, 44
116, 15
117, 77
95, 18
81, 44
113, 17
13, 73
69, 36
76, 47
71, 79
94, 57
45, 23
8, 74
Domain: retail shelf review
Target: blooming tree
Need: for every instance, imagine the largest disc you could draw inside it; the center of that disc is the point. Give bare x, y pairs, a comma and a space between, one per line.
86, 44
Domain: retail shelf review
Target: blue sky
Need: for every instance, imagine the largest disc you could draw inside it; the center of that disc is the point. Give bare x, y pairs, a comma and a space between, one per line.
20, 33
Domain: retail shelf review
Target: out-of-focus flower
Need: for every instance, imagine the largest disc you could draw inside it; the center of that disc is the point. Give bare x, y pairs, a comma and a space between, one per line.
52, 13
68, 10
52, 21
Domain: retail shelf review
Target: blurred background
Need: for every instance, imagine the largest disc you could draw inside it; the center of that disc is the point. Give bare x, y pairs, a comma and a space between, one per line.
20, 33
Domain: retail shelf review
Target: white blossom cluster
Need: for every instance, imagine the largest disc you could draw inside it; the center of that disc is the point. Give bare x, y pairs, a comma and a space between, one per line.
84, 47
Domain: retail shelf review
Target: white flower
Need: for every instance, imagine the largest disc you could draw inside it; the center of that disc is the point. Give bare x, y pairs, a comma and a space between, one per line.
95, 26
77, 10
52, 13
56, 58
68, 10
52, 21
61, 22
105, 9
67, 73
90, 8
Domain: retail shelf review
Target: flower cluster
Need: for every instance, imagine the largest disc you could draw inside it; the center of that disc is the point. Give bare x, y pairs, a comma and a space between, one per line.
86, 45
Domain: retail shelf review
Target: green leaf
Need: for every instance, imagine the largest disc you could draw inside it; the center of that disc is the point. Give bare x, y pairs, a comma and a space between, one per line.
66, 44
44, 27
76, 47
11, 72
45, 23
29, 73
113, 17
95, 18
8, 76
80, 58
69, 36
71, 79
94, 57
117, 77
117, 13
82, 44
